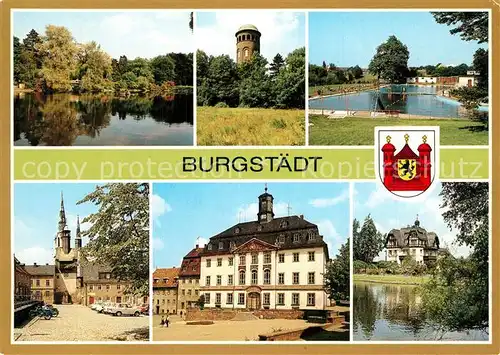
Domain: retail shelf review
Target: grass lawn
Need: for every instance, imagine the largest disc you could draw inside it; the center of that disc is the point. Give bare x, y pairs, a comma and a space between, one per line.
360, 130
391, 279
250, 126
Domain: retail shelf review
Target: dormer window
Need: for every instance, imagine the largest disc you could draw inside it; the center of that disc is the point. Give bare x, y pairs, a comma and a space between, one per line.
209, 246
296, 237
221, 245
311, 236
283, 224
259, 228
237, 230
281, 239
232, 245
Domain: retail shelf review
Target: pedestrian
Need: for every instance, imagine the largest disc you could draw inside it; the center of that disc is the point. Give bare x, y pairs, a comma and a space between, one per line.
162, 322
167, 321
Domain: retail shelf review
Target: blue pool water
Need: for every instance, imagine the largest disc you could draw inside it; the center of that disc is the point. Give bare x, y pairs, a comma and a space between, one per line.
422, 105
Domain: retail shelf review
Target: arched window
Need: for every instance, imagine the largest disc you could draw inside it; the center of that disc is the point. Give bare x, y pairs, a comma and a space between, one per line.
254, 277
239, 53
267, 277
242, 277
246, 52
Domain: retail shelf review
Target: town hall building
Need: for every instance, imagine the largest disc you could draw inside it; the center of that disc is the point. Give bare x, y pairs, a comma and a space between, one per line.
269, 263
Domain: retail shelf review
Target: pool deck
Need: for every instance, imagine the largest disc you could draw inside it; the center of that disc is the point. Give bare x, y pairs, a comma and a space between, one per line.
368, 114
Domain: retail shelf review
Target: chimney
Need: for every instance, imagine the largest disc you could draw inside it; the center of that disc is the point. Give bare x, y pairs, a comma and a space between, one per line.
301, 216
46, 263
35, 265
197, 246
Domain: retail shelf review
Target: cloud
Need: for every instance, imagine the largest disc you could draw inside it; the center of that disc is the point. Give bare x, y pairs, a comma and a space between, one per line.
158, 207
158, 244
146, 34
281, 31
201, 242
330, 235
35, 254
327, 202
71, 222
377, 197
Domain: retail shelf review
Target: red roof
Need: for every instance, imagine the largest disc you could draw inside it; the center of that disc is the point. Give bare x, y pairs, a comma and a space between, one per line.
406, 153
166, 277
191, 263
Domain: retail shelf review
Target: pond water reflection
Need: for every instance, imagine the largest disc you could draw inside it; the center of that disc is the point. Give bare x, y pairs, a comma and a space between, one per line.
394, 312
99, 120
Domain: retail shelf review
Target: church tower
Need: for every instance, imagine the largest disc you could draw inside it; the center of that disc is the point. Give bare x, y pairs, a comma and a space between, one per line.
266, 213
78, 238
63, 237
247, 43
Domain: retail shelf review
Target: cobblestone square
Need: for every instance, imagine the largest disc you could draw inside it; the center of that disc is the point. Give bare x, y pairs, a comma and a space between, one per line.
80, 323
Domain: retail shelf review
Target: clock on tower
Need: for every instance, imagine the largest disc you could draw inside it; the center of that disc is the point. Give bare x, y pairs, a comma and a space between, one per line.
266, 213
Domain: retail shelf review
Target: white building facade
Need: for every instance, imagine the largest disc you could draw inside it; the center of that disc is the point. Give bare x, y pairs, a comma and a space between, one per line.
266, 264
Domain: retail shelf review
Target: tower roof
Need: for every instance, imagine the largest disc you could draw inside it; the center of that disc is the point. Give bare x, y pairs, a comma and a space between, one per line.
247, 27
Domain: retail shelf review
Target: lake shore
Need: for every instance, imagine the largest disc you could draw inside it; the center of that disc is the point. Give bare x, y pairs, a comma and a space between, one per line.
392, 279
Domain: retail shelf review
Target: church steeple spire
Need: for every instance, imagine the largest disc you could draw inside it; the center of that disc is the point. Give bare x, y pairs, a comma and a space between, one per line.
62, 215
78, 238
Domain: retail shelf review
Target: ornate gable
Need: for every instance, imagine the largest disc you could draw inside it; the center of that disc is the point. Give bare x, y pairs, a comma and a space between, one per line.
254, 245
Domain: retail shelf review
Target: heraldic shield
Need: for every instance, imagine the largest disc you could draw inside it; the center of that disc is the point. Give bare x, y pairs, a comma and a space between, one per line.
407, 158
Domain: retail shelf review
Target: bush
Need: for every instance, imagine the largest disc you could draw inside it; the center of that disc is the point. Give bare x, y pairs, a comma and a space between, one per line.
221, 104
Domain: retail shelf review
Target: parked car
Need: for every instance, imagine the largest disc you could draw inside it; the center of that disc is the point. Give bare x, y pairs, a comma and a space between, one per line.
107, 307
93, 306
100, 308
120, 309
144, 308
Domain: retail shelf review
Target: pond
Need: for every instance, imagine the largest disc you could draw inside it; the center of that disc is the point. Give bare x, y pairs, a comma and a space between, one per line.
102, 120
393, 312
420, 100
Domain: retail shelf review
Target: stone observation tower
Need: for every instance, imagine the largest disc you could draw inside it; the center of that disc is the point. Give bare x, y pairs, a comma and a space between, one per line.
247, 42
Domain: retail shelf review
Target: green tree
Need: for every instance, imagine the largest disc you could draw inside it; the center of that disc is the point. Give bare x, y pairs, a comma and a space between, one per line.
96, 68
255, 88
457, 295
59, 58
290, 82
276, 65
472, 26
130, 79
183, 68
221, 83
17, 58
119, 232
368, 242
141, 67
29, 59
470, 97
163, 68
357, 72
337, 275
390, 62
202, 65
480, 63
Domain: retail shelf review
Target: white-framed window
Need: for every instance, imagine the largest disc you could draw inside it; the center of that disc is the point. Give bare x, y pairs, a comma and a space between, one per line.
229, 280
295, 278
310, 256
281, 258
267, 277
230, 261
281, 299
242, 260
219, 280
209, 262
295, 257
295, 299
310, 278
254, 277
207, 281
255, 259
221, 245
311, 299
219, 261
207, 298
217, 298
229, 298
281, 278
267, 258
241, 280
241, 298
267, 299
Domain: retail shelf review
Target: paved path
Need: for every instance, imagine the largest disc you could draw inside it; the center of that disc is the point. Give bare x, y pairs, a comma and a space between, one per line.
221, 330
80, 323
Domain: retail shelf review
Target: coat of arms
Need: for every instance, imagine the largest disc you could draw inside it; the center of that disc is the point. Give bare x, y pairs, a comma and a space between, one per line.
407, 158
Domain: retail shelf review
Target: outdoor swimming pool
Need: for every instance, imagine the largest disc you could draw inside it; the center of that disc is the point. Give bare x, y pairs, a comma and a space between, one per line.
426, 103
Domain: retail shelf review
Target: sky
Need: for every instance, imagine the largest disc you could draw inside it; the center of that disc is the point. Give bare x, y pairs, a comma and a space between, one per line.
36, 217
183, 212
389, 213
135, 34
351, 38
282, 32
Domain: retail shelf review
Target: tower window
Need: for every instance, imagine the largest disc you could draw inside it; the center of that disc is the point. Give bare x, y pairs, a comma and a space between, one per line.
246, 52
